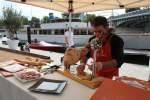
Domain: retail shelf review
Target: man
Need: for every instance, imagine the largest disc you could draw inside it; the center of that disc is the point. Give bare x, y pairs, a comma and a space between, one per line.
109, 55
69, 38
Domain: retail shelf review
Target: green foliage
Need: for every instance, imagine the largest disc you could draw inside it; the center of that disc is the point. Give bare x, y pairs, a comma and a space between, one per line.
35, 20
45, 19
66, 15
12, 21
77, 15
1, 23
131, 9
88, 18
25, 20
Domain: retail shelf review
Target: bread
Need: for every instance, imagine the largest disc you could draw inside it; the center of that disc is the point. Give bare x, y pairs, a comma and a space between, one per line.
34, 63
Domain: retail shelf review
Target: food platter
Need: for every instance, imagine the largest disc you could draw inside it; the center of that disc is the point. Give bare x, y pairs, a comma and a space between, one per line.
28, 75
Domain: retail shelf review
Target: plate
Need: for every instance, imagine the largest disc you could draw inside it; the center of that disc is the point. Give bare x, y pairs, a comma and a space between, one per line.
49, 86
28, 75
13, 68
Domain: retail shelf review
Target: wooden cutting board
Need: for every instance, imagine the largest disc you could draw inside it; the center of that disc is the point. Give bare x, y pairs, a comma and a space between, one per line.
94, 83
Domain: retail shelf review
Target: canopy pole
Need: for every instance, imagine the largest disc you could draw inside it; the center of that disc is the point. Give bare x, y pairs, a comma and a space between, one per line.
70, 10
70, 20
87, 23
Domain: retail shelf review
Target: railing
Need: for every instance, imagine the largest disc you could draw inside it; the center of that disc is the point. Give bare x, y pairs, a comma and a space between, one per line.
134, 34
132, 14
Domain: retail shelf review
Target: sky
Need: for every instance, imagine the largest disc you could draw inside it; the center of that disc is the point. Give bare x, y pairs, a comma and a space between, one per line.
30, 11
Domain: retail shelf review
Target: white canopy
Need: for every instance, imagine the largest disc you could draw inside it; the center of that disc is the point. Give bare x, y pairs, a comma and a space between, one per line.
85, 5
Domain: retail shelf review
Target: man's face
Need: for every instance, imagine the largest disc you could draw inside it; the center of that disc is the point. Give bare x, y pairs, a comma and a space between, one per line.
99, 31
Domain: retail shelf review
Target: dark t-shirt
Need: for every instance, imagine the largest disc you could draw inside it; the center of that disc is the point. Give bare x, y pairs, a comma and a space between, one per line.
116, 48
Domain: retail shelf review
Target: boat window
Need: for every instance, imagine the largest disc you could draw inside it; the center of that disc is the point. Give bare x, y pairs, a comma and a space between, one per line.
49, 32
56, 32
83, 32
59, 32
40, 31
35, 32
44, 32
62, 32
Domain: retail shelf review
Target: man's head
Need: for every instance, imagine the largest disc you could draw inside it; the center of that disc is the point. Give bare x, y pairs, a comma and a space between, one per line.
99, 26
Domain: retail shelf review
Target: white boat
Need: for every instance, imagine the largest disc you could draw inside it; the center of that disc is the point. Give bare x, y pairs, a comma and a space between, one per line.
54, 33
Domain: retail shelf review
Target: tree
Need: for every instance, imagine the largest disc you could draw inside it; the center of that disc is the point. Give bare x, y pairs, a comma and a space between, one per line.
88, 18
76, 15
131, 9
1, 23
25, 20
45, 19
35, 22
12, 20
66, 15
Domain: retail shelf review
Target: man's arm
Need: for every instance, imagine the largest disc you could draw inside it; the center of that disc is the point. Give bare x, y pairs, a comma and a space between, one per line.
83, 58
103, 65
117, 54
117, 46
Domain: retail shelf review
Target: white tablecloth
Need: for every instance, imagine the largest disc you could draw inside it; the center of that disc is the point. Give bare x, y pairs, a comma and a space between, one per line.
9, 91
12, 89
